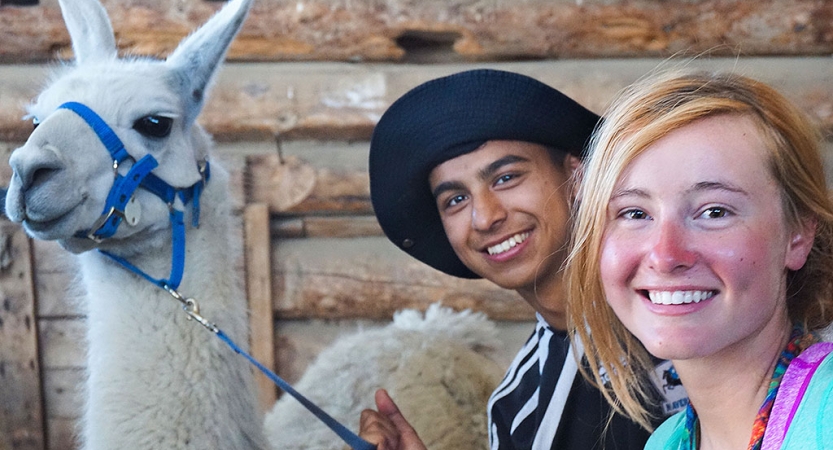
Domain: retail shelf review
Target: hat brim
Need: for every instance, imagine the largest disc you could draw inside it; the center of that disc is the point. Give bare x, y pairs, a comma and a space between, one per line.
452, 116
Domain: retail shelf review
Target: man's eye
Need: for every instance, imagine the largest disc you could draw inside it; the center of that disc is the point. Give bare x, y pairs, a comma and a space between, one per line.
715, 212
455, 200
504, 178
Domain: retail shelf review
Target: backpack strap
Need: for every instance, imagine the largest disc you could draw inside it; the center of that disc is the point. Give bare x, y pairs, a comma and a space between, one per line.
793, 385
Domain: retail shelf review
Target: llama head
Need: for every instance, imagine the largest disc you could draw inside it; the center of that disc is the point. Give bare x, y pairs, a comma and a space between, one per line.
62, 175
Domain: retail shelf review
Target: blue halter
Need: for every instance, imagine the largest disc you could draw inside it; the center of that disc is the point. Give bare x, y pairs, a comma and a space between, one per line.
115, 212
121, 193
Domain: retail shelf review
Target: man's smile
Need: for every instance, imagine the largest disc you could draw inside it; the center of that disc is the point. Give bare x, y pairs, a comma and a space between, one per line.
507, 244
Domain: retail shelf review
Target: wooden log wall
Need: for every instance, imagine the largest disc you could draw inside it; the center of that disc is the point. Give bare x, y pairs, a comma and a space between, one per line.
292, 113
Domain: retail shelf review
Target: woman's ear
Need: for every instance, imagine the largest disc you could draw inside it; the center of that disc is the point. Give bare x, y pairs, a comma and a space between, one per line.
801, 242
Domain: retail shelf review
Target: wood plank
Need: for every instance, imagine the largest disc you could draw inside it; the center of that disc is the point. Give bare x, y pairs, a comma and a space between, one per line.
458, 30
56, 279
337, 227
331, 101
63, 343
259, 291
292, 185
62, 434
64, 393
64, 398
371, 278
21, 404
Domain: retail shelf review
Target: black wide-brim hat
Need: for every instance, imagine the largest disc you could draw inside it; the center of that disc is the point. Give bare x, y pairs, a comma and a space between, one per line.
448, 117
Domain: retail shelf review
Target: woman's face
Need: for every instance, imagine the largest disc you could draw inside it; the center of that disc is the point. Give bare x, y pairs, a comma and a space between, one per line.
696, 249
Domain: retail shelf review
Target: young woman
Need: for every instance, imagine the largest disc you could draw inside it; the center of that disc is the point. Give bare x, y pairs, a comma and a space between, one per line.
704, 235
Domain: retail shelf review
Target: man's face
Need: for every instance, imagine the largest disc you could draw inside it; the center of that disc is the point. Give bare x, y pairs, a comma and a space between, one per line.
506, 209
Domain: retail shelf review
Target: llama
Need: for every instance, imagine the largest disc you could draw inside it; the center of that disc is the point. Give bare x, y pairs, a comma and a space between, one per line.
437, 367
155, 379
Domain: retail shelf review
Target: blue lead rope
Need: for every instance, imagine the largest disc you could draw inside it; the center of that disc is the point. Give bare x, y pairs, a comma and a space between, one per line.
191, 308
346, 435
140, 175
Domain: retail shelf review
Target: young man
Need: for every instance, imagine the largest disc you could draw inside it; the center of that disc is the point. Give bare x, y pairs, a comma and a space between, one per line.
472, 175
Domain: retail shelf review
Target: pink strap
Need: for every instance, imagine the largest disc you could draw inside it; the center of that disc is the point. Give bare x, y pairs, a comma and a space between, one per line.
793, 385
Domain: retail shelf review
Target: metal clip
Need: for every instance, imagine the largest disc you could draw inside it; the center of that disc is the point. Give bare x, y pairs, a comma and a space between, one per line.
192, 308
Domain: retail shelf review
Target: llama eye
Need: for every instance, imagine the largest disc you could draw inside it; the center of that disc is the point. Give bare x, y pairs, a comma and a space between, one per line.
35, 122
154, 126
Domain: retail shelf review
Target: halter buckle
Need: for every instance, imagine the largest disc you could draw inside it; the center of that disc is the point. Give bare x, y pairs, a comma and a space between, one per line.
202, 165
100, 222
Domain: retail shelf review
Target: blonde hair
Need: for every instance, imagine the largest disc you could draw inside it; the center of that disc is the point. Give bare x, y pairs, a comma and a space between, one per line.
642, 114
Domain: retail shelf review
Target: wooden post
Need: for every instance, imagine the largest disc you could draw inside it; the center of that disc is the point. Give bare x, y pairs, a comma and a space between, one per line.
259, 291
21, 399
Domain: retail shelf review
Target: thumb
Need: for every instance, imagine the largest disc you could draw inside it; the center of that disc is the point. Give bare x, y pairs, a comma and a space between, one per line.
385, 405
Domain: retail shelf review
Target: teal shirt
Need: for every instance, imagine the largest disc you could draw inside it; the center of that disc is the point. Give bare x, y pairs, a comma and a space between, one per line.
811, 428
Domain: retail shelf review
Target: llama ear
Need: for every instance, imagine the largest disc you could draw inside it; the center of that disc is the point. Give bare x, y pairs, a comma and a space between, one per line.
197, 58
89, 29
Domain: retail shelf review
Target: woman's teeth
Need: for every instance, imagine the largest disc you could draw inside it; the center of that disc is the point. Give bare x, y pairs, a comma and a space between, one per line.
507, 244
678, 297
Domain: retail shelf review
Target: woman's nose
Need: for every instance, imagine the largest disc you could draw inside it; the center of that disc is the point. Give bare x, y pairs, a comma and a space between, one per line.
671, 247
487, 211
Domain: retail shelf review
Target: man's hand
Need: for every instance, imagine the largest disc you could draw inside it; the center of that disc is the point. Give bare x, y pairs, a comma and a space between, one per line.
387, 427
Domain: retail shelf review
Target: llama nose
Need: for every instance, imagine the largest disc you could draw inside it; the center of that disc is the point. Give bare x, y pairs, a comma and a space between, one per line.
35, 166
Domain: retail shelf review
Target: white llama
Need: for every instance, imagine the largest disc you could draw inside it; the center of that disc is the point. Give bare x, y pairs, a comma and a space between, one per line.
157, 380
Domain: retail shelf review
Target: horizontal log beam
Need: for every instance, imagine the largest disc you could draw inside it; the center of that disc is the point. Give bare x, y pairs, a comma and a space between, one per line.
319, 30
371, 278
332, 101
326, 227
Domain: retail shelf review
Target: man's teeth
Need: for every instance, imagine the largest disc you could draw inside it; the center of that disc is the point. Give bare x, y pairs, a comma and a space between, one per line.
678, 297
507, 244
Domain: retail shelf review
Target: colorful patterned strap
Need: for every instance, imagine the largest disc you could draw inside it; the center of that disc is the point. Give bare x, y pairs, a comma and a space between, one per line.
793, 385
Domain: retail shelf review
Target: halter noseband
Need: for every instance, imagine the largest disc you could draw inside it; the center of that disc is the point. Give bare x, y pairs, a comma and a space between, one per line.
119, 207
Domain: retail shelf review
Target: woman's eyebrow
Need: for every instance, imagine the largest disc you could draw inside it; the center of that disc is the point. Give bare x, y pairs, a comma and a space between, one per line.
630, 192
717, 186
698, 187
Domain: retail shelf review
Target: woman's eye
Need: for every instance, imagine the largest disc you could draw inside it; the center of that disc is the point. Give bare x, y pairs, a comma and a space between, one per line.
635, 214
714, 212
154, 126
